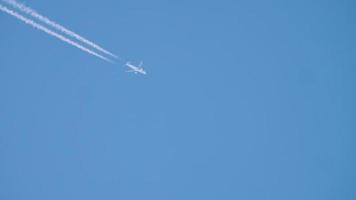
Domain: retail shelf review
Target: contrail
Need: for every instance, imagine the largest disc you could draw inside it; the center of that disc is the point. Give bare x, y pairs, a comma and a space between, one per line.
57, 26
54, 34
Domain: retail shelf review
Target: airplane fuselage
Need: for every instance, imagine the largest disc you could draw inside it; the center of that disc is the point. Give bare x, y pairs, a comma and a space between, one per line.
136, 69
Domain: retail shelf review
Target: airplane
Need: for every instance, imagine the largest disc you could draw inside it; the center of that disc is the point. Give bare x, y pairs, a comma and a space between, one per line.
136, 69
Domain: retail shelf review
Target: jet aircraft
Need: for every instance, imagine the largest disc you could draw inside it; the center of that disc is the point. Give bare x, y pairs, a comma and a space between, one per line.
136, 69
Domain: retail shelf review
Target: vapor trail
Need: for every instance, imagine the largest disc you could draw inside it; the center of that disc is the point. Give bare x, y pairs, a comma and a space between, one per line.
54, 34
57, 26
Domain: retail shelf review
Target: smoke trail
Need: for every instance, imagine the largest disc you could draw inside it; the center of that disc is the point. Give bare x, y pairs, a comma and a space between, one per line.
54, 34
57, 26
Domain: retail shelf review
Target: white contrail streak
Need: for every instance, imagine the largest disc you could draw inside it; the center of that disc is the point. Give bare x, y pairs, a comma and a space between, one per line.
54, 34
57, 26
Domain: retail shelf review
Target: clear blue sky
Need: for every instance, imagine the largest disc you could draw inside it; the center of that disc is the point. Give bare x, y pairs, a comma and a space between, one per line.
251, 100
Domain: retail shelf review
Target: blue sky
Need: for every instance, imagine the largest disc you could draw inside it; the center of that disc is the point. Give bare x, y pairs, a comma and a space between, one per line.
243, 100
